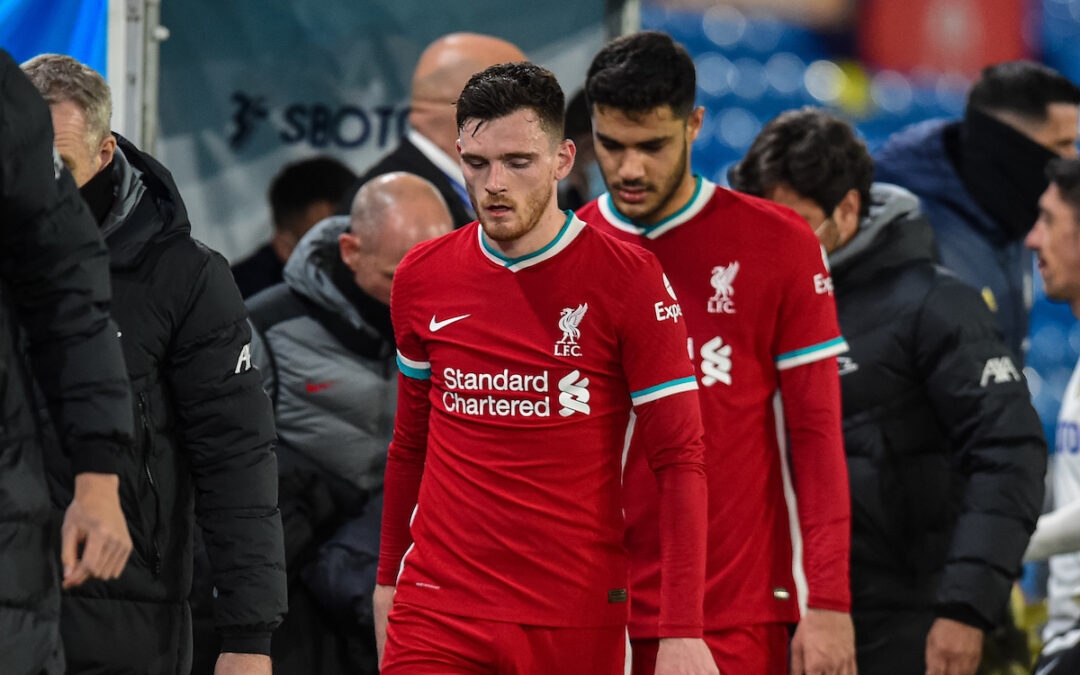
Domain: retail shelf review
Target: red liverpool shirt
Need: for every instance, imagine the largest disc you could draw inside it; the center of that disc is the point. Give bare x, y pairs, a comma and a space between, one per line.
757, 298
519, 380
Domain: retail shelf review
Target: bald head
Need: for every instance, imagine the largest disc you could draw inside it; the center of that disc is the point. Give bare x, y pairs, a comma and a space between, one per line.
440, 75
390, 214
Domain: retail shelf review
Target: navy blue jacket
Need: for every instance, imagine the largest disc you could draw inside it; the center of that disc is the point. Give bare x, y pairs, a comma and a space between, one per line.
970, 243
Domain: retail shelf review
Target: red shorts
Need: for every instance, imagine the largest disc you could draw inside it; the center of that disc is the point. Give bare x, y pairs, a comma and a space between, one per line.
760, 649
419, 640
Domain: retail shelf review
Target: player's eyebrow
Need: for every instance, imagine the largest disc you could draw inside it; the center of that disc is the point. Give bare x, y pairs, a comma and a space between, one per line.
656, 140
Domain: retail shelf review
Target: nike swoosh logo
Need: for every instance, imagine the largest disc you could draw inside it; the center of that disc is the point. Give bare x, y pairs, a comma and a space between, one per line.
312, 388
436, 325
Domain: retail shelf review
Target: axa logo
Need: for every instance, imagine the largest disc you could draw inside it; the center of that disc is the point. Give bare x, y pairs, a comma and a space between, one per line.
846, 365
722, 280
715, 362
243, 363
574, 394
999, 370
569, 320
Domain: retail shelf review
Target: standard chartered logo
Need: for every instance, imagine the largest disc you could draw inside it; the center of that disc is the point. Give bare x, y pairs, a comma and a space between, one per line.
509, 394
574, 394
715, 362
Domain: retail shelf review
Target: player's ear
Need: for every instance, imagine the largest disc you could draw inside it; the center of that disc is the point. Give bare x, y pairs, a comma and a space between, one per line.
694, 122
564, 158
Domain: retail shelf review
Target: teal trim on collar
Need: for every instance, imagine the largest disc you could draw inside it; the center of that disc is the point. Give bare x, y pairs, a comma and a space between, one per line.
665, 385
528, 256
649, 228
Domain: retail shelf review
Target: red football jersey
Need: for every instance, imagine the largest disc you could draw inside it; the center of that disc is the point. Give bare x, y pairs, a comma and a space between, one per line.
519, 379
753, 285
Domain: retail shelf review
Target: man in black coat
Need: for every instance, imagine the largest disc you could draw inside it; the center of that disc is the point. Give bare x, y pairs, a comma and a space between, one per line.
55, 338
945, 453
205, 428
428, 149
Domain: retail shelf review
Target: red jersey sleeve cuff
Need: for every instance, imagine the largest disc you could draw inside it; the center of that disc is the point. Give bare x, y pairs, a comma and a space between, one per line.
674, 630
831, 604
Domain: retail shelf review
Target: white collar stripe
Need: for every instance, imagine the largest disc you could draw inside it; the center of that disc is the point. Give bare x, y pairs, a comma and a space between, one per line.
703, 192
444, 162
569, 232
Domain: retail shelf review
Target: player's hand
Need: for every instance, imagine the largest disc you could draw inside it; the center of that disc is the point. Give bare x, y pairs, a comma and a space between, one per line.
953, 648
229, 663
824, 644
94, 518
684, 656
381, 601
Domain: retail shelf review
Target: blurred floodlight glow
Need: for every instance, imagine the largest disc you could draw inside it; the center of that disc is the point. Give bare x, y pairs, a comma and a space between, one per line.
724, 25
891, 91
715, 74
763, 35
784, 72
750, 81
825, 81
738, 127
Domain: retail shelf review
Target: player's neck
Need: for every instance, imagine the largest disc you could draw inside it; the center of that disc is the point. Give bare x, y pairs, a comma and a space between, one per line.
547, 228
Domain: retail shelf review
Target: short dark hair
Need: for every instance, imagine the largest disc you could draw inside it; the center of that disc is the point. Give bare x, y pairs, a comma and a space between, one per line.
508, 87
1065, 174
300, 184
642, 71
1023, 88
578, 117
817, 154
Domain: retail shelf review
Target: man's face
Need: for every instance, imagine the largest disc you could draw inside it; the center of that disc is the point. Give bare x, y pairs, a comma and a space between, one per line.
1055, 239
373, 263
1059, 132
645, 159
71, 141
814, 215
511, 167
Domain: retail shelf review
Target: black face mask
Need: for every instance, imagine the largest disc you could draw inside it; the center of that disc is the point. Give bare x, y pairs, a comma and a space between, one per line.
1004, 170
99, 193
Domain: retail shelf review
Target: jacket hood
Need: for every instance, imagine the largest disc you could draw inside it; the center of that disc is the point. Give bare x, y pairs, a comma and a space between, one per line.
148, 207
309, 270
894, 233
917, 158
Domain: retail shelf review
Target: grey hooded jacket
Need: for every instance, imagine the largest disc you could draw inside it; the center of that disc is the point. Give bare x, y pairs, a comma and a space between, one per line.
330, 373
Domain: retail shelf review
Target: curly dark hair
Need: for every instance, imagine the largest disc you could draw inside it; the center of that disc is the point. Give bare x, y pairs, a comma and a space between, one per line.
642, 71
817, 154
1024, 88
508, 87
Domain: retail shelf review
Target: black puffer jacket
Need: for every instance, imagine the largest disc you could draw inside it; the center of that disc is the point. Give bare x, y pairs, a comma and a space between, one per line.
205, 446
945, 454
54, 291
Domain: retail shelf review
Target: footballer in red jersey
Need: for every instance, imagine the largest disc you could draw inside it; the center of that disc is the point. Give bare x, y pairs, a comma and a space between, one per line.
532, 349
756, 297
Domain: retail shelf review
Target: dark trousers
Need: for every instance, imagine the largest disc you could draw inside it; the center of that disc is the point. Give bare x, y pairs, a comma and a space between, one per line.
891, 642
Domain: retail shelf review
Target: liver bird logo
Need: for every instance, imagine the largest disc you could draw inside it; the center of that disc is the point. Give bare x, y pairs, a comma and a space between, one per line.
722, 280
569, 320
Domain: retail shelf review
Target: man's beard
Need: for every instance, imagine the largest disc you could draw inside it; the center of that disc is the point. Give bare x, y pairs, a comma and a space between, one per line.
528, 216
666, 192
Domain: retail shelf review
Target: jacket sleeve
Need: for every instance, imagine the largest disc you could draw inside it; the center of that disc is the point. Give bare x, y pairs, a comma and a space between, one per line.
981, 399
228, 432
57, 269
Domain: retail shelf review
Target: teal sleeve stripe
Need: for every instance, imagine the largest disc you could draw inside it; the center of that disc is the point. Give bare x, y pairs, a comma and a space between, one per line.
806, 351
665, 385
414, 373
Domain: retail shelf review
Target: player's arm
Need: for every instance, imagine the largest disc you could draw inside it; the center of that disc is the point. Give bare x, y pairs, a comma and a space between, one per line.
405, 458
806, 343
982, 401
668, 426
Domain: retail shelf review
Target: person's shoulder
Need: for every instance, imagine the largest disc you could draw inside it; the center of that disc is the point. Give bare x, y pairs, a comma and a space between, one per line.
762, 218
624, 253
435, 255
